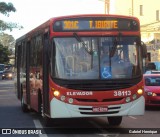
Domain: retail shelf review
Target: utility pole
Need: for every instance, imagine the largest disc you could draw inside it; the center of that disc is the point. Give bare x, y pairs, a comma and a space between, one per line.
132, 8
106, 6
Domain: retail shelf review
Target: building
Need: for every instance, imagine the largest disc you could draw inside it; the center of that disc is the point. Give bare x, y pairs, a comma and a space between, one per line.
148, 13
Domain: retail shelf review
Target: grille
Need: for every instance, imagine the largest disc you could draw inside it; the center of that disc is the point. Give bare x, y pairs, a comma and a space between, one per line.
88, 111
158, 94
155, 102
111, 108
97, 85
94, 100
98, 113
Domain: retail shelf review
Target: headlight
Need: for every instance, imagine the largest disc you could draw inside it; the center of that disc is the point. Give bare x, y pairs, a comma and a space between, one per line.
140, 91
10, 75
56, 93
134, 96
70, 100
128, 99
63, 98
149, 93
154, 94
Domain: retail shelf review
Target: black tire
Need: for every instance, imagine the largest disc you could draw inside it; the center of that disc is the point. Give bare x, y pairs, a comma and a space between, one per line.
47, 121
147, 107
115, 121
23, 105
40, 105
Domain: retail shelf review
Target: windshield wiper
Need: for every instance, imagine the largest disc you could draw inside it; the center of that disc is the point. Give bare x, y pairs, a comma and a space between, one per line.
78, 38
115, 44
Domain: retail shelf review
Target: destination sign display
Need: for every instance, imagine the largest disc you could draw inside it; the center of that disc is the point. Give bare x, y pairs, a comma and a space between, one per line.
88, 24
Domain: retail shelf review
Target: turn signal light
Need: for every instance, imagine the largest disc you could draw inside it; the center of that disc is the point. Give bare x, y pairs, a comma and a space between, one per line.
140, 91
56, 93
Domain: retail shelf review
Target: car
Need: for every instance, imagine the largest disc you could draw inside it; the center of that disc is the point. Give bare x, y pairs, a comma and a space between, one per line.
1, 69
8, 74
152, 72
152, 89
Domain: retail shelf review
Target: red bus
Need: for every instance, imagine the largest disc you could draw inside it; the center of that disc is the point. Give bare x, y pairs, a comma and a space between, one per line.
82, 66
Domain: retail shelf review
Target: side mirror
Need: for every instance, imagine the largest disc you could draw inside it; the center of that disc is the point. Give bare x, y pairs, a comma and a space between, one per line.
144, 50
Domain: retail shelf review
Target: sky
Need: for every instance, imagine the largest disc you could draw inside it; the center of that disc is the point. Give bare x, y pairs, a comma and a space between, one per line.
32, 13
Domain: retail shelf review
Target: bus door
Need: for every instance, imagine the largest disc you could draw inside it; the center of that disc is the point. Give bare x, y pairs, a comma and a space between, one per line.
46, 73
24, 88
35, 71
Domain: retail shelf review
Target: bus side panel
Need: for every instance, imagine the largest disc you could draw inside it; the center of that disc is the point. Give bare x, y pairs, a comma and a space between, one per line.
28, 72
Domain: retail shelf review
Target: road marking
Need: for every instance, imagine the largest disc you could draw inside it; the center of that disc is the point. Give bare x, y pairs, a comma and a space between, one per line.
132, 117
7, 96
6, 90
3, 98
11, 95
39, 125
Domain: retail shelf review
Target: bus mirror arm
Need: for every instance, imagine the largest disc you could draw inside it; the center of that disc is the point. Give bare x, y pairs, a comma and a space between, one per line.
144, 50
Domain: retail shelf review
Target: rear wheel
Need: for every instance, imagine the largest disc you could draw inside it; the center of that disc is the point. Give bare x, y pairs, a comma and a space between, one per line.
40, 105
115, 121
23, 105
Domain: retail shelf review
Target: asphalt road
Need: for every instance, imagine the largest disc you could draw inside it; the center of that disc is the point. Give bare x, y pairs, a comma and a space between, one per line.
11, 117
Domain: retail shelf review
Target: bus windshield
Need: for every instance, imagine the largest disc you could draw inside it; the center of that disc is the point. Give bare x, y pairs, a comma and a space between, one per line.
96, 58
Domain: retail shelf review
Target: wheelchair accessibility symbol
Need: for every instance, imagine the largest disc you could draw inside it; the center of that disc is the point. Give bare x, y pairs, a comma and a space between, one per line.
106, 73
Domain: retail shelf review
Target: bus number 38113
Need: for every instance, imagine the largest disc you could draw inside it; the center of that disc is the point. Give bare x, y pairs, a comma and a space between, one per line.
122, 93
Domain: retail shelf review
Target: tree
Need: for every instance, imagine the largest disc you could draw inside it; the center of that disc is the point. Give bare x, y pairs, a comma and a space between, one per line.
8, 41
4, 53
5, 9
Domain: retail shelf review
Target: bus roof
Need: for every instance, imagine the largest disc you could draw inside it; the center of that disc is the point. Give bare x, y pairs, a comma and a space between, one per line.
94, 15
47, 24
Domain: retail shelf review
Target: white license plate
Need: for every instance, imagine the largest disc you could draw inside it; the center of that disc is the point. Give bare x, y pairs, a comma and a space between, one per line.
100, 109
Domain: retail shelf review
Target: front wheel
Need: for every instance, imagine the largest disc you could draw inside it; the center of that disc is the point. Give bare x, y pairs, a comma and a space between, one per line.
47, 121
115, 121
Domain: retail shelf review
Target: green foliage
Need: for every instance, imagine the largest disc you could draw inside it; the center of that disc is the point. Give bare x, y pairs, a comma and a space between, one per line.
4, 53
7, 40
8, 26
5, 9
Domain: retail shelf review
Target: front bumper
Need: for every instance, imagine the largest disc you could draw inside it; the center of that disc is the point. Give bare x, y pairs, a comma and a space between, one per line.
153, 101
60, 109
